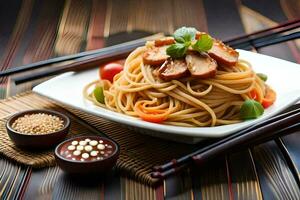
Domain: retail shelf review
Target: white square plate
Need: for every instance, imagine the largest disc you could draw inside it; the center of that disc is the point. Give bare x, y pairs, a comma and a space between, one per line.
283, 77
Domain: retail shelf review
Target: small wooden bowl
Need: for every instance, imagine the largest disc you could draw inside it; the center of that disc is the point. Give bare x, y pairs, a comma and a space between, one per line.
86, 167
43, 141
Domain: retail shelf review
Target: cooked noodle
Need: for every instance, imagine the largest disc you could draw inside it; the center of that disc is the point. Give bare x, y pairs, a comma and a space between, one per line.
188, 101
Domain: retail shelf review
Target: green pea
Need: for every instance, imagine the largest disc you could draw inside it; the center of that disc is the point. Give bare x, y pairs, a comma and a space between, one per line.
262, 76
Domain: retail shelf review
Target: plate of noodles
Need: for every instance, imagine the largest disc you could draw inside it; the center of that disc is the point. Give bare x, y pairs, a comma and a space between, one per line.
186, 87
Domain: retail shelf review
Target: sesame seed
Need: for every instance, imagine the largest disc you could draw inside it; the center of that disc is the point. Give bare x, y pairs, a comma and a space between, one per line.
38, 124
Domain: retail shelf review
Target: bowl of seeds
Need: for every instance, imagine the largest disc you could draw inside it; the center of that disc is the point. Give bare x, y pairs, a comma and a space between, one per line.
37, 128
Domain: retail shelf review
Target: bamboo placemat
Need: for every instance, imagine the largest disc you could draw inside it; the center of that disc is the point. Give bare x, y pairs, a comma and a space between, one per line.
138, 153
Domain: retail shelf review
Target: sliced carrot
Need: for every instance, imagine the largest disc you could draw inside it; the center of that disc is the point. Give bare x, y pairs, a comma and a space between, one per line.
253, 94
269, 98
150, 115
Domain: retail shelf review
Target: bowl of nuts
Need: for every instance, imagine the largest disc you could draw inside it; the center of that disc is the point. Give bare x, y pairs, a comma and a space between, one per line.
37, 129
87, 155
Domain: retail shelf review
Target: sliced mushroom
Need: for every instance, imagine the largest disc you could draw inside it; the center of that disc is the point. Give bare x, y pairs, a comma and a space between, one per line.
173, 69
201, 65
164, 41
155, 56
223, 54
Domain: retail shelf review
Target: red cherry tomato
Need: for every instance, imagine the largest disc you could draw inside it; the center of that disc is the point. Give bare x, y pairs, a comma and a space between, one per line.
109, 70
269, 98
253, 94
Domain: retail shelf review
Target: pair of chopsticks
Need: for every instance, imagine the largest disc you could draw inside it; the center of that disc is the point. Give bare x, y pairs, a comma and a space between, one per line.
258, 133
278, 34
281, 33
77, 62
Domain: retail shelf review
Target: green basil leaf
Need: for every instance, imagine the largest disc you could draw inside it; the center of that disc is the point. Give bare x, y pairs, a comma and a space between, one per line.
251, 109
98, 94
185, 34
177, 50
262, 76
204, 43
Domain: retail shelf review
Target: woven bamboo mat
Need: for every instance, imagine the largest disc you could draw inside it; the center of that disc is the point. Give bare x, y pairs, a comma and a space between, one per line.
138, 153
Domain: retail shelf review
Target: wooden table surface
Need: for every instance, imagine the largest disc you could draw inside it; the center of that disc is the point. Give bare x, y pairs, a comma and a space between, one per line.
34, 30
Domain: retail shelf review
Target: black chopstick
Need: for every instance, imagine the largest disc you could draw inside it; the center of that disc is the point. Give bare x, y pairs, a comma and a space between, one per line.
247, 36
259, 38
79, 64
269, 42
188, 158
271, 129
176, 169
107, 50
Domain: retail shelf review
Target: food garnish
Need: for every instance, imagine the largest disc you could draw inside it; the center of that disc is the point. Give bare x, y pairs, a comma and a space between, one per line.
108, 71
98, 94
262, 76
251, 109
177, 50
185, 38
149, 114
253, 94
203, 44
269, 98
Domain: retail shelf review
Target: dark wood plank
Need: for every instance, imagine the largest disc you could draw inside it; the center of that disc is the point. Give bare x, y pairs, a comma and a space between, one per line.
244, 180
269, 8
189, 13
212, 178
275, 176
178, 186
52, 183
12, 178
8, 15
112, 186
223, 19
292, 144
